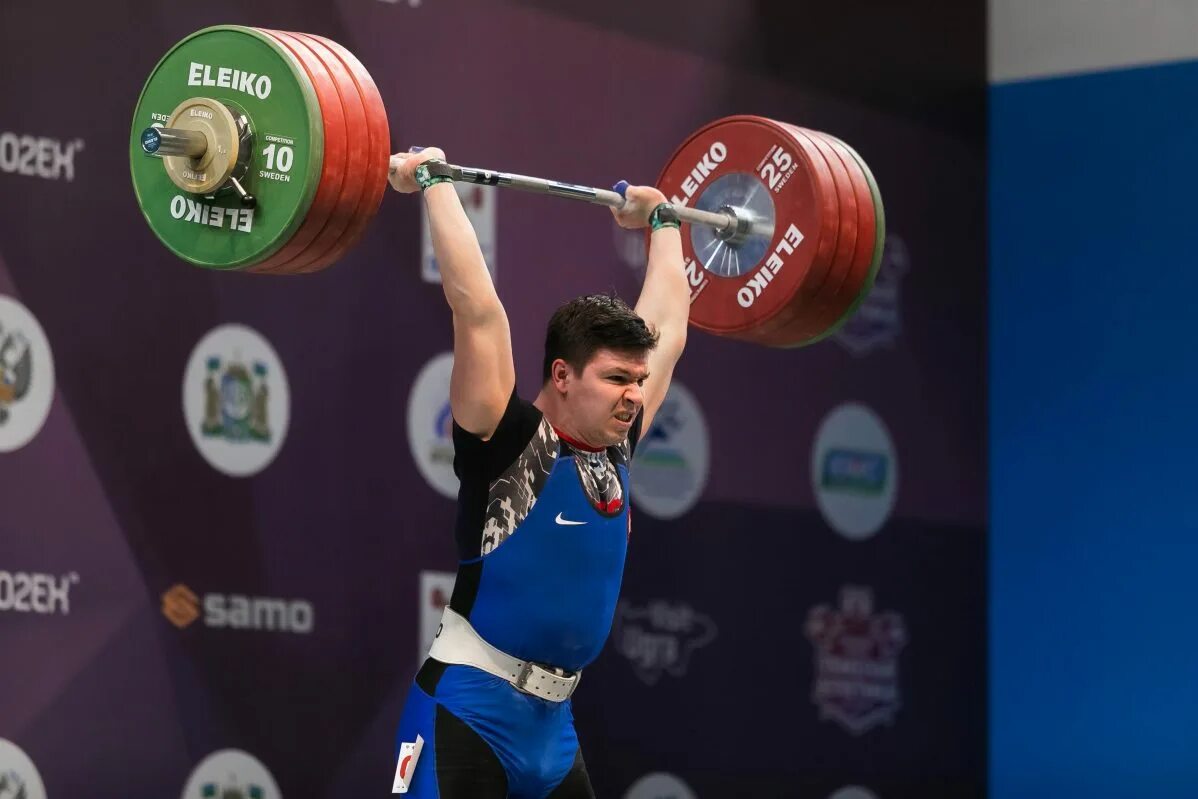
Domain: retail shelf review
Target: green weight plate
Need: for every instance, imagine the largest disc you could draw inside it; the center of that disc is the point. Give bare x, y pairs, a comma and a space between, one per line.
249, 72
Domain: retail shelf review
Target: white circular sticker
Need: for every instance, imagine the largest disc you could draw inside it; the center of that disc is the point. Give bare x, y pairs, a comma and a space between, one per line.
18, 776
232, 773
854, 471
430, 425
26, 375
236, 402
669, 471
659, 785
853, 792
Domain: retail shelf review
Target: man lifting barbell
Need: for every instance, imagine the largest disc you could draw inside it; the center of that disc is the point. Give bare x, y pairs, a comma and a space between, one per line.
274, 160
543, 520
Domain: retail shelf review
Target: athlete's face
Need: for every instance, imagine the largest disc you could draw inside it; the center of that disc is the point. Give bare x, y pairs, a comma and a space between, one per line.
604, 399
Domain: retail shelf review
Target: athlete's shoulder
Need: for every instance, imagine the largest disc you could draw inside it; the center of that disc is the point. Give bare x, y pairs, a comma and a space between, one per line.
522, 423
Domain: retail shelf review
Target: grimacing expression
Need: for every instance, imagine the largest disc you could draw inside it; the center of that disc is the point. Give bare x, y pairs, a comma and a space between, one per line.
604, 399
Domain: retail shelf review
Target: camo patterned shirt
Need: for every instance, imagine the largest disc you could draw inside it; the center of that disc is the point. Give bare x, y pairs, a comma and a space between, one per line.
502, 477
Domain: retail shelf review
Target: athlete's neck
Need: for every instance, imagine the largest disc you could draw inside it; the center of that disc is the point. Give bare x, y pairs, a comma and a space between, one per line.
548, 403
574, 442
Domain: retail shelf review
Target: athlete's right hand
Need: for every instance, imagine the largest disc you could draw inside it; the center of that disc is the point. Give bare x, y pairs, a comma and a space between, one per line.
401, 174
639, 201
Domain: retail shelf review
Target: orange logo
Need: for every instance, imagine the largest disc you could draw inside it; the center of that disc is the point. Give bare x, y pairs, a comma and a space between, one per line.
180, 605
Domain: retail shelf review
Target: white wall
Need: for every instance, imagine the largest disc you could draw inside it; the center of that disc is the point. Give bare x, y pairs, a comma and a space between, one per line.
1042, 38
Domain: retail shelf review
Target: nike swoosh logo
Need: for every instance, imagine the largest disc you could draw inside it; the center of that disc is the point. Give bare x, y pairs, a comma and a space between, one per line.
560, 520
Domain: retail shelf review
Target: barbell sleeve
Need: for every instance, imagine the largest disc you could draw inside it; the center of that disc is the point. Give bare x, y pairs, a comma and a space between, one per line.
174, 141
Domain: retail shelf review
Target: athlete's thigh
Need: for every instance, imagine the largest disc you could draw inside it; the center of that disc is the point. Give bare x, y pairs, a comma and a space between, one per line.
466, 765
577, 783
440, 757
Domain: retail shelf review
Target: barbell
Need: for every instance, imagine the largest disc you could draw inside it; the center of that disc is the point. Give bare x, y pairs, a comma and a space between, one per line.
264, 151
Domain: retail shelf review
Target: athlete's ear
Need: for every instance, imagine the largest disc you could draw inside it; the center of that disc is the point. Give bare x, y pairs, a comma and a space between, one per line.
560, 373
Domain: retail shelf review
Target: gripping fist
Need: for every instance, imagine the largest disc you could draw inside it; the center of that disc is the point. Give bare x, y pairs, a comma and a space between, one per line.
403, 167
639, 202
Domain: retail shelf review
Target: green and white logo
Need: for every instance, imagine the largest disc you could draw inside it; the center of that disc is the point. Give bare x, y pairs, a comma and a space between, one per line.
669, 472
231, 774
854, 471
236, 401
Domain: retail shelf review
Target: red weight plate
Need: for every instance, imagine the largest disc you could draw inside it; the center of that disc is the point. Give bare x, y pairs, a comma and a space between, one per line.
810, 291
846, 252
859, 276
773, 332
753, 162
359, 160
328, 194
831, 304
357, 156
864, 281
841, 294
380, 151
801, 317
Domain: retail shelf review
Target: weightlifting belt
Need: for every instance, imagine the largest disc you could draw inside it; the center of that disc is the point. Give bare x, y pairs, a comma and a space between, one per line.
459, 643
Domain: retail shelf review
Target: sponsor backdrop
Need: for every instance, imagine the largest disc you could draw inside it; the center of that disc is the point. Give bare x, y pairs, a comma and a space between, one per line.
228, 499
1091, 395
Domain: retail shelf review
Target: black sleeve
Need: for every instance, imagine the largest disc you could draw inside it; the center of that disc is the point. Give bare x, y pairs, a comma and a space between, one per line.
475, 460
479, 463
634, 433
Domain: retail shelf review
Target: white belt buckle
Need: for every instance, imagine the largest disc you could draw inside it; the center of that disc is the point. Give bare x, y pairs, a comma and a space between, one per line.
527, 670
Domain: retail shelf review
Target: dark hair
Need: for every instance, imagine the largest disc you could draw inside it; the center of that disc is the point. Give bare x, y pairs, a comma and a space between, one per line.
588, 324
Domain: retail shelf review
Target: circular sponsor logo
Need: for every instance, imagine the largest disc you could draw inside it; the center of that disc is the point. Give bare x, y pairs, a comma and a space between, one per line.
853, 792
18, 776
236, 402
231, 774
430, 425
670, 468
26, 375
854, 471
659, 785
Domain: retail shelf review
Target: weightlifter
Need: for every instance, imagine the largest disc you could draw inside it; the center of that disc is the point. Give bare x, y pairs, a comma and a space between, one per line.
542, 522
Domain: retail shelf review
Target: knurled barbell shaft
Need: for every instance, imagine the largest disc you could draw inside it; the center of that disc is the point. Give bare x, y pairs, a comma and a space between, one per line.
725, 223
174, 141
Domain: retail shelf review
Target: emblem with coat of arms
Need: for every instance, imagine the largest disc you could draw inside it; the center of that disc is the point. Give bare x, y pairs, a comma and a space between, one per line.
856, 661
26, 376
236, 401
16, 369
213, 790
231, 774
